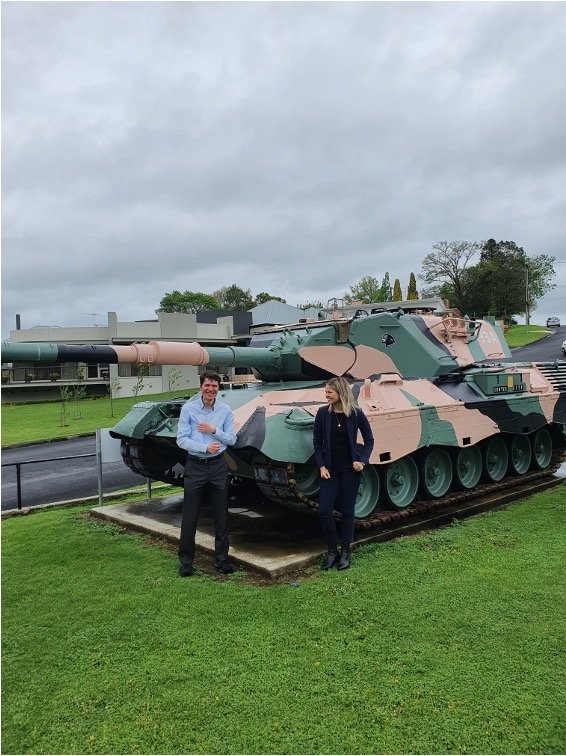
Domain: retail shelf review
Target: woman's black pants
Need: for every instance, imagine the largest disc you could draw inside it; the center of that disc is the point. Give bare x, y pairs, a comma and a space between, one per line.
339, 492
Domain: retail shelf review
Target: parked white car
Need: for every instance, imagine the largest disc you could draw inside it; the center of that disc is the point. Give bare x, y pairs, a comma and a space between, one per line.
564, 347
553, 322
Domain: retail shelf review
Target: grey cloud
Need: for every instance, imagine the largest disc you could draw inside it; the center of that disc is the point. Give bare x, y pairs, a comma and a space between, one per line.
287, 147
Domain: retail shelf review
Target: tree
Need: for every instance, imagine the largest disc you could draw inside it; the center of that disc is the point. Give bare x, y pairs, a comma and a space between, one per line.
366, 290
384, 294
78, 392
187, 302
263, 297
541, 275
143, 372
446, 264
234, 298
113, 388
474, 299
173, 378
511, 280
497, 284
412, 292
397, 293
66, 393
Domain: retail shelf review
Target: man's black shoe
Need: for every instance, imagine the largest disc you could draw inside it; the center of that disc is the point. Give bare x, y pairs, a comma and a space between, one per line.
225, 568
185, 570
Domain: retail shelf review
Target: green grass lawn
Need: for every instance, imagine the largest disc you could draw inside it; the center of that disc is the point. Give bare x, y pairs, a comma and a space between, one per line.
26, 423
517, 335
448, 642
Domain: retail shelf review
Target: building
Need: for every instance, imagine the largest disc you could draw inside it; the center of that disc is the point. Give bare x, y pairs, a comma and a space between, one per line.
39, 382
274, 313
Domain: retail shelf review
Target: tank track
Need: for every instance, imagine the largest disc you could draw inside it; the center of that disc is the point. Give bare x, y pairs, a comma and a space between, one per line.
422, 506
287, 493
138, 458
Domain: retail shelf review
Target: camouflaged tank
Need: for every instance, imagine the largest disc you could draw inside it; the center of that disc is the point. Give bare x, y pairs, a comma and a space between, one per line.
447, 412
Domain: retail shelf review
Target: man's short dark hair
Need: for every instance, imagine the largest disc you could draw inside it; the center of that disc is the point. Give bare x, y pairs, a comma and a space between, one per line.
211, 375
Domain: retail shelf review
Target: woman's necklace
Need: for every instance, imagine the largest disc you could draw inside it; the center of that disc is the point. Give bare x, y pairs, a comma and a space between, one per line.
339, 418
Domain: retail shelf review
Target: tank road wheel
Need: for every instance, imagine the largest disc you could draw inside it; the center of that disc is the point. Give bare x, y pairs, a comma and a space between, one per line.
520, 454
401, 482
368, 492
307, 478
436, 473
495, 458
542, 449
467, 467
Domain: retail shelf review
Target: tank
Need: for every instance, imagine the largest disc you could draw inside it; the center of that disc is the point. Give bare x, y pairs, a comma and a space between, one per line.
448, 410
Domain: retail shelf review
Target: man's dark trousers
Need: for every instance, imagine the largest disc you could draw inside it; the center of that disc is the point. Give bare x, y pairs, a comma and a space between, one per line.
212, 475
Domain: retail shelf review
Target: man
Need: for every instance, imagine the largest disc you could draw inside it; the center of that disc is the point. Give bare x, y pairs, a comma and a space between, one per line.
206, 428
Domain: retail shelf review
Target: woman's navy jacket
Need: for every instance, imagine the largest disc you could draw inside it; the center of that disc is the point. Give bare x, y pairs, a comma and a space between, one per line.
323, 431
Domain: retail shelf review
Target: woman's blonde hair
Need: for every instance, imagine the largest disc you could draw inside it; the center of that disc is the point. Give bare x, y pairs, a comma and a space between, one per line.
342, 388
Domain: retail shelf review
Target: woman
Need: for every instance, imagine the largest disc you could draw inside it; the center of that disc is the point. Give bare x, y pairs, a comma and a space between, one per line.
341, 461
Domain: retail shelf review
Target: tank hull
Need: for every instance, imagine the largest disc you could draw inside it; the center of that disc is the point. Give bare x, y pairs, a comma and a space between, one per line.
431, 436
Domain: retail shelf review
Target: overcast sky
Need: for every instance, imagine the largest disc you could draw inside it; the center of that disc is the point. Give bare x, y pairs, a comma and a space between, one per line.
291, 148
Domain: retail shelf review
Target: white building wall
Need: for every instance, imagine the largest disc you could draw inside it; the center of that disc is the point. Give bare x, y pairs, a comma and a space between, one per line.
145, 331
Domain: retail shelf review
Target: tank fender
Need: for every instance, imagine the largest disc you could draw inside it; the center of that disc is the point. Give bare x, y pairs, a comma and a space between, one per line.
252, 432
143, 418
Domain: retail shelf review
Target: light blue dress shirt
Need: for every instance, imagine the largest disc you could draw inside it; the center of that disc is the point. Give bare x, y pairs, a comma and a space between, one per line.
196, 442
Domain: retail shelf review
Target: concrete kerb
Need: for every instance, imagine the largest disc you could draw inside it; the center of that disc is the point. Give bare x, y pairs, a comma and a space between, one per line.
48, 440
73, 502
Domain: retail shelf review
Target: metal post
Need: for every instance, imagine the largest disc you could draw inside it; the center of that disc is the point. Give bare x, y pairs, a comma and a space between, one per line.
99, 467
149, 488
19, 484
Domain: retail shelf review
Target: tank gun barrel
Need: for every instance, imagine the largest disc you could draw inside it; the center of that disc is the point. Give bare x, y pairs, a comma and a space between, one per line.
152, 353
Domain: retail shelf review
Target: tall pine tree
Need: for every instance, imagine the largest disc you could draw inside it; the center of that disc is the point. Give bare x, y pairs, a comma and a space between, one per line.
385, 289
397, 293
412, 292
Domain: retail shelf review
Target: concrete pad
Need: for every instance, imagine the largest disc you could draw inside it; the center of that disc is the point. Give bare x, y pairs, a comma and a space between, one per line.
273, 540
264, 538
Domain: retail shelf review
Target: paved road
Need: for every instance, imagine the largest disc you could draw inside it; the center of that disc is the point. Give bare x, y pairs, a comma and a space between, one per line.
58, 481
545, 350
45, 482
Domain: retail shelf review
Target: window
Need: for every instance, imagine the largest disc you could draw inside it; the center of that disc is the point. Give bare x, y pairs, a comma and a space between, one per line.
131, 371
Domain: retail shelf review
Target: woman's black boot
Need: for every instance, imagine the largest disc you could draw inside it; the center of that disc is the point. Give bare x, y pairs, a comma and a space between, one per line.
331, 558
344, 561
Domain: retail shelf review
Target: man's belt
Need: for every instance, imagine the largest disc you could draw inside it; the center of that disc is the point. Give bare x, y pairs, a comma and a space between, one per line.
205, 460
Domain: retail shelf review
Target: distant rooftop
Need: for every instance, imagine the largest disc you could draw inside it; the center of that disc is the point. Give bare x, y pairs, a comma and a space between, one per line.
279, 313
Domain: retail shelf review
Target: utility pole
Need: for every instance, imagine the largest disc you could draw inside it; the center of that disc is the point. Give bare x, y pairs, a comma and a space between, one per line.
527, 297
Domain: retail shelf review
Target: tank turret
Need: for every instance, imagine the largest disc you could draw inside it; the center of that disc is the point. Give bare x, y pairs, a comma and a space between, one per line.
447, 411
